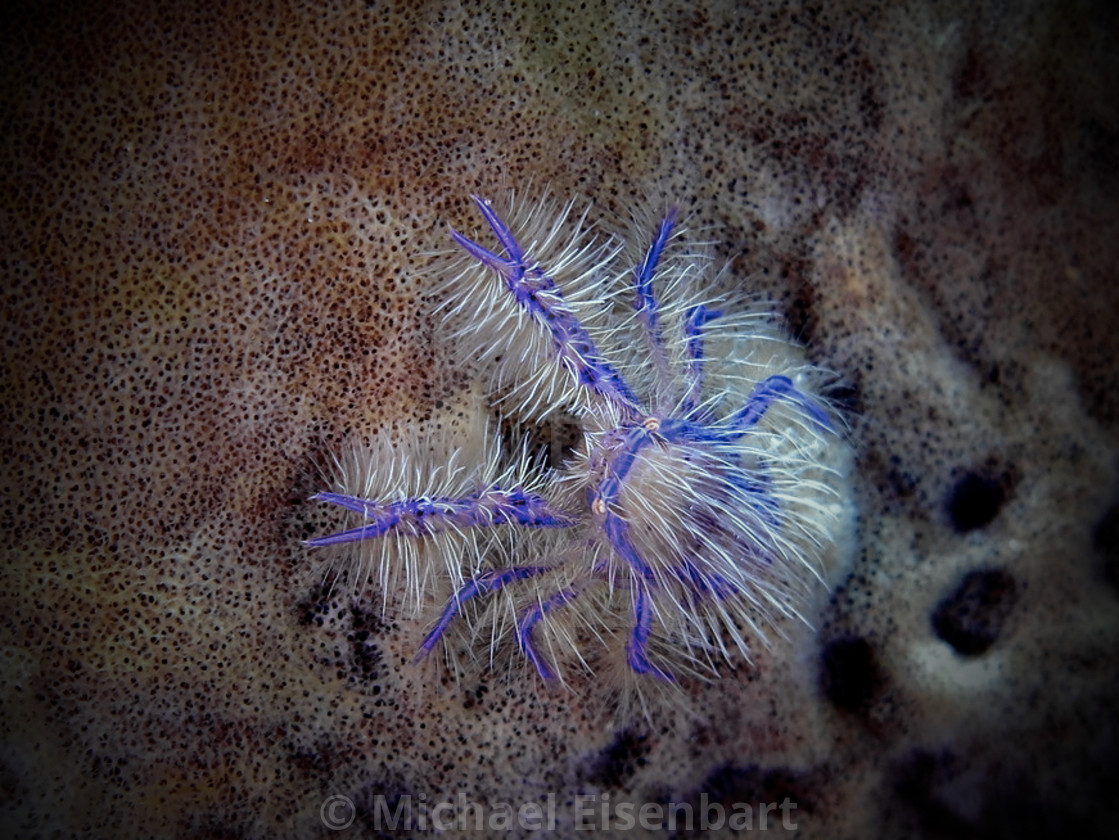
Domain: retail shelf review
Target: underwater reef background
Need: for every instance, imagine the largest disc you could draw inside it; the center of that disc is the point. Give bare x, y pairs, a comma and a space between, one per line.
212, 221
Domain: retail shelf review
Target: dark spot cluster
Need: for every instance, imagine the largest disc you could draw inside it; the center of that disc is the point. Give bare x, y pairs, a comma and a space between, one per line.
474, 696
364, 638
615, 765
352, 634
972, 616
556, 436
1105, 539
976, 498
754, 784
851, 676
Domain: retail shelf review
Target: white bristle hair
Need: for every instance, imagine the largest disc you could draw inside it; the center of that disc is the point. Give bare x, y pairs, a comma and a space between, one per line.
741, 531
479, 316
412, 574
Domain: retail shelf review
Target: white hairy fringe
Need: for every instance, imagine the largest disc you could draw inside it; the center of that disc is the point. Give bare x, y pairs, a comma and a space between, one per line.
676, 500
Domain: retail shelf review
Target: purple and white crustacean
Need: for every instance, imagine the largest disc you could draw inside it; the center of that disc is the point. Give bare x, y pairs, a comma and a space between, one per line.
701, 506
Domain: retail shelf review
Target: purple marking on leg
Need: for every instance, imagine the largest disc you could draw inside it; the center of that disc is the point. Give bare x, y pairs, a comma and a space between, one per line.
643, 274
615, 464
645, 301
486, 582
518, 506
687, 432
385, 516
503, 267
636, 648
530, 619
705, 583
614, 459
423, 516
510, 268
763, 396
694, 322
501, 231
538, 294
363, 532
617, 531
755, 489
753, 484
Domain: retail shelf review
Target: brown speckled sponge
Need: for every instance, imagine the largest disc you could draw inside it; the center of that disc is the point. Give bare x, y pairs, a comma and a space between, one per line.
212, 220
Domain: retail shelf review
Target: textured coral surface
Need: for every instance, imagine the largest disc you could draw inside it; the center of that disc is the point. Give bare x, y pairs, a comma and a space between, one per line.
211, 216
